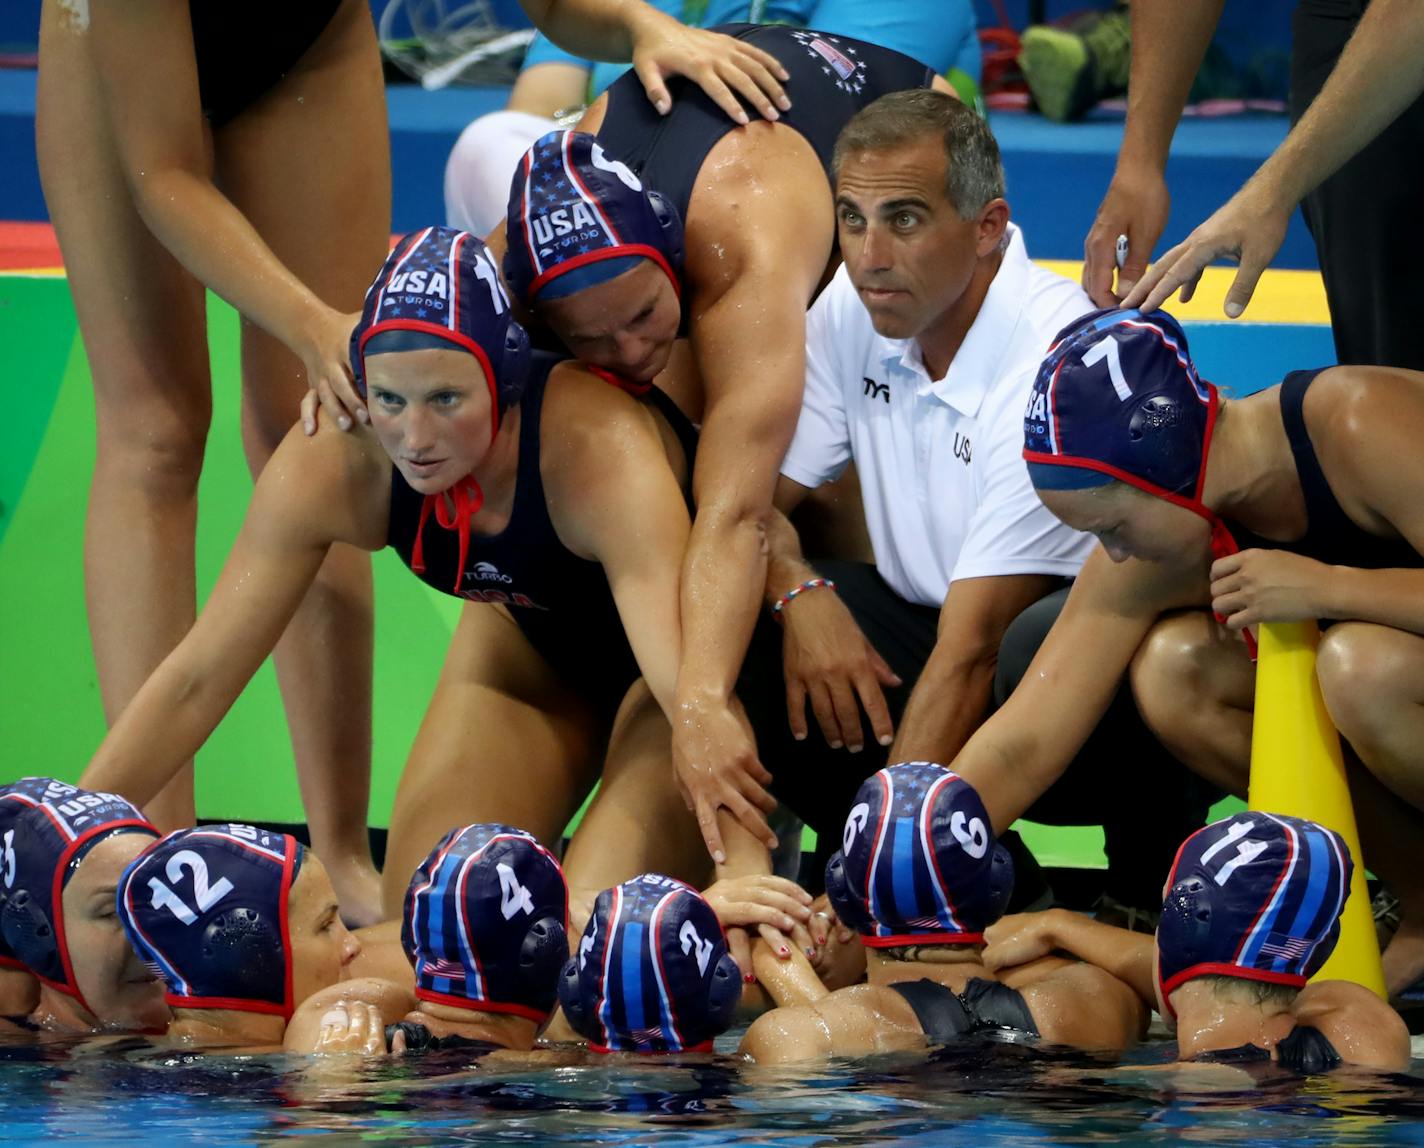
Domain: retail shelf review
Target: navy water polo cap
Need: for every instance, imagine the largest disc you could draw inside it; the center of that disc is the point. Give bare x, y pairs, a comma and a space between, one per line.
652, 973
1256, 896
919, 864
578, 217
439, 288
207, 910
1117, 397
485, 922
49, 828
15, 798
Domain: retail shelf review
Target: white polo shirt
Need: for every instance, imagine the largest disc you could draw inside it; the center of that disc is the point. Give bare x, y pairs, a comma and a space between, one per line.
942, 475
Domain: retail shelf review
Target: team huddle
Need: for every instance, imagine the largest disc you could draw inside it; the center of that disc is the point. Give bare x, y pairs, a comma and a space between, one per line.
621, 430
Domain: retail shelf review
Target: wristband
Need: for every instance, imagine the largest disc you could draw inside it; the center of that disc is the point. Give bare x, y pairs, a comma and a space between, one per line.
810, 584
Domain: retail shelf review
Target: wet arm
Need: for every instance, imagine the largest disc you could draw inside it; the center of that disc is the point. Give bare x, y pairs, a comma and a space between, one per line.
616, 500
953, 692
1027, 744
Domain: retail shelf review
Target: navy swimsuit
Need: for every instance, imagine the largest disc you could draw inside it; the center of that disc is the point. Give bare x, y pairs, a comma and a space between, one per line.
242, 50
1330, 535
561, 602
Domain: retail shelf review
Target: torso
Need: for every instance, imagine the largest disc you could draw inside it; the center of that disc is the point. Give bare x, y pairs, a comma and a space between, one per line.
560, 600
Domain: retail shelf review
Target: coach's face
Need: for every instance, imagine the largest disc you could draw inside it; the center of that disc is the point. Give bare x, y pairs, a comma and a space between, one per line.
909, 253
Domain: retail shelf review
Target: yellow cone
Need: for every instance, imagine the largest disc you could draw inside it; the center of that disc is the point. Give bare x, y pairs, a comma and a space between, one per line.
1297, 769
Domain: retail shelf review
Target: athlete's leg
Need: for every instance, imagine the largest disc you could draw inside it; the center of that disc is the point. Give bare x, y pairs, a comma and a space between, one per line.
142, 318
638, 823
503, 740
308, 165
1195, 686
1372, 678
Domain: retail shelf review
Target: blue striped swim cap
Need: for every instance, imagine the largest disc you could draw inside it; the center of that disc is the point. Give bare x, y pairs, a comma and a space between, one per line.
918, 862
485, 922
1256, 896
652, 973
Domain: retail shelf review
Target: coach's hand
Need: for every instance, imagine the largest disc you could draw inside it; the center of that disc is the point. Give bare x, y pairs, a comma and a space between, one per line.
827, 659
715, 761
1136, 205
1248, 230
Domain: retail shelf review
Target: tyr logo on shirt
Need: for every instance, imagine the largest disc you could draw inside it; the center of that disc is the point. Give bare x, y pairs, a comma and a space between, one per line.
874, 390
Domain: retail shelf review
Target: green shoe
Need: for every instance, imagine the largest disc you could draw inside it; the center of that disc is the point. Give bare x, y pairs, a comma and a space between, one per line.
1068, 70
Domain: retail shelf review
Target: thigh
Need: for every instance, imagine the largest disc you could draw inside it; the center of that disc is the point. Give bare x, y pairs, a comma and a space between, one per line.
308, 164
503, 740
638, 822
140, 312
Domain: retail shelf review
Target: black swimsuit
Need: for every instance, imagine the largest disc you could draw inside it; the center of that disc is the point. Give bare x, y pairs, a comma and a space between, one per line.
983, 1006
1330, 535
560, 601
243, 49
832, 78
1305, 1049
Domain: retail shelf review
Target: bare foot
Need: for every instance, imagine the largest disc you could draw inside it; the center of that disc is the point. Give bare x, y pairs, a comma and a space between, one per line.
1404, 958
358, 892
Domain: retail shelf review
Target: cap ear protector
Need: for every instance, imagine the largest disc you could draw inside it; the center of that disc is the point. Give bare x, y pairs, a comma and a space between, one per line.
671, 224
847, 903
243, 949
29, 933
1001, 883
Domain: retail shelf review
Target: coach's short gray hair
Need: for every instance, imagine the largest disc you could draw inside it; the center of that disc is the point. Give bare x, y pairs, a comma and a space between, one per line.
976, 173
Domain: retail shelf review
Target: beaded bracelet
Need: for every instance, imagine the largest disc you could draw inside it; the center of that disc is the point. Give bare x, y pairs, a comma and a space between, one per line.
810, 584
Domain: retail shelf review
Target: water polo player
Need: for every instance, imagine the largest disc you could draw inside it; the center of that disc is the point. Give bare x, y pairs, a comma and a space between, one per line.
485, 928
241, 925
1251, 912
920, 876
63, 855
1300, 501
546, 499
635, 232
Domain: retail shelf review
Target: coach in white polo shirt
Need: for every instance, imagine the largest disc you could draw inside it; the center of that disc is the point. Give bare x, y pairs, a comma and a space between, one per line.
920, 357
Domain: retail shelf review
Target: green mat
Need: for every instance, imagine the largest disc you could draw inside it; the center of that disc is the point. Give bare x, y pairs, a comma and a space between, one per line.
50, 717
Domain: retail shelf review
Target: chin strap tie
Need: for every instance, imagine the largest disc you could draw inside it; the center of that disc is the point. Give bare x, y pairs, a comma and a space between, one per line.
467, 498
